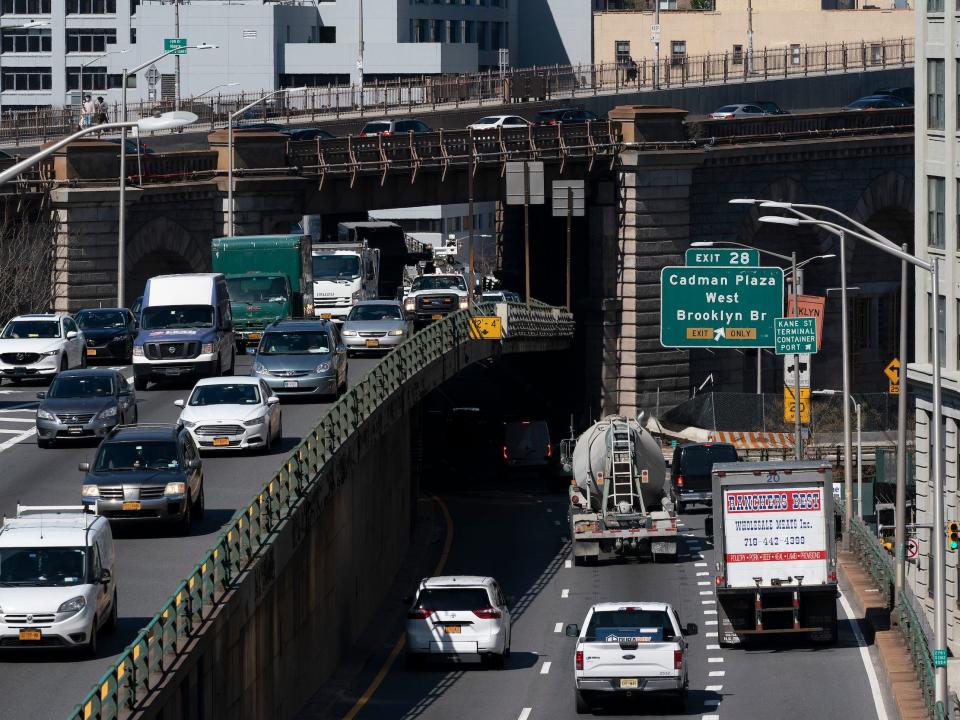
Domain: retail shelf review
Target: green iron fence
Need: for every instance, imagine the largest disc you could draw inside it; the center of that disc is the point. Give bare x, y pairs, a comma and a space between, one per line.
142, 665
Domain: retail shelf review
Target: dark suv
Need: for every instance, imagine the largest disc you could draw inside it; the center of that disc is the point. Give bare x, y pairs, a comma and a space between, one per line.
690, 472
146, 472
565, 115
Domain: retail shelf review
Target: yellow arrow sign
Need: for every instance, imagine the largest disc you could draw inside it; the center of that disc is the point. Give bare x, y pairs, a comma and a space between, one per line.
892, 371
486, 328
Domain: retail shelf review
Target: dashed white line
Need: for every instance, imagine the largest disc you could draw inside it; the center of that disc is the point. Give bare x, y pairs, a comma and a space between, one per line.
708, 602
717, 673
702, 574
713, 647
709, 717
706, 592
715, 660
701, 583
709, 612
524, 714
546, 667
567, 563
700, 565
558, 627
710, 622
713, 688
565, 593
711, 634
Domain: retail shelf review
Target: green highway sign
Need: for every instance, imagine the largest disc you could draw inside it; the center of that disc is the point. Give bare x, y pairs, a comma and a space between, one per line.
795, 335
719, 307
178, 45
723, 257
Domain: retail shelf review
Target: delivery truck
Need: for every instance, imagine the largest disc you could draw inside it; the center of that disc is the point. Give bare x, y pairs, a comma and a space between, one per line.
776, 562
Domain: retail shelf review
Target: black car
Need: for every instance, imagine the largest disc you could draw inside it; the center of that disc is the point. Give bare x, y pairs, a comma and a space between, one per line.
84, 404
146, 473
904, 93
564, 115
690, 471
308, 134
261, 126
109, 333
877, 102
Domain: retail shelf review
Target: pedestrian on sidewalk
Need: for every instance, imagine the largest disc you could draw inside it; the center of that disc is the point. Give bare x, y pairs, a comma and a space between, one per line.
86, 118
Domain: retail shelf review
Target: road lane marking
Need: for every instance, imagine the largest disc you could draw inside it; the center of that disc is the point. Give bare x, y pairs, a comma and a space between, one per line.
717, 673
713, 647
401, 641
709, 612
546, 667
556, 522
700, 565
708, 602
18, 420
706, 592
713, 688
524, 714
565, 593
710, 622
567, 563
550, 510
558, 627
17, 438
711, 634
709, 717
715, 660
701, 583
12, 432
865, 657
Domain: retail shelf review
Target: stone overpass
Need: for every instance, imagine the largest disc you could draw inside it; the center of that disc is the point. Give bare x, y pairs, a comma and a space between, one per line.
654, 186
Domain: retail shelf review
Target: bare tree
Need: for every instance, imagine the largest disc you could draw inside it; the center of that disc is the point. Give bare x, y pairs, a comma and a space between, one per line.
27, 233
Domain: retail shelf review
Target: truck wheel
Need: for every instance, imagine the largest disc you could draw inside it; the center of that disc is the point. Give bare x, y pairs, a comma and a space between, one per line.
583, 707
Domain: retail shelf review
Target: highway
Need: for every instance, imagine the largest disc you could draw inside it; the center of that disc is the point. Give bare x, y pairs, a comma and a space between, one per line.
518, 536
45, 685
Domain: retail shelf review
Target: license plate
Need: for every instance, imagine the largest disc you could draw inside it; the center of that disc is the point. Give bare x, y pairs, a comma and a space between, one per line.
436, 317
91, 351
253, 336
221, 442
325, 316
29, 634
628, 683
373, 343
170, 371
19, 371
451, 629
75, 429
130, 506
291, 383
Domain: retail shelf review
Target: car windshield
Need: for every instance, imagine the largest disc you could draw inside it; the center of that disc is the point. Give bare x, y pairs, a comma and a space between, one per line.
297, 342
629, 623
375, 312
101, 319
225, 394
699, 459
376, 127
20, 329
438, 282
42, 567
453, 599
130, 456
257, 289
492, 120
161, 317
76, 386
336, 267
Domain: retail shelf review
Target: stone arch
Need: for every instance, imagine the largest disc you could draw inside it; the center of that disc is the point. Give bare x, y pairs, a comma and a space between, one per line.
160, 246
886, 205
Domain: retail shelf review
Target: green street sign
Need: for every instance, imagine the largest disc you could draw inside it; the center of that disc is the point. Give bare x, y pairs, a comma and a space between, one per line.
178, 45
719, 307
723, 257
939, 657
795, 335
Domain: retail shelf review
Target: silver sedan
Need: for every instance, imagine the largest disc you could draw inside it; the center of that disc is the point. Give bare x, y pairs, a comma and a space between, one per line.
375, 326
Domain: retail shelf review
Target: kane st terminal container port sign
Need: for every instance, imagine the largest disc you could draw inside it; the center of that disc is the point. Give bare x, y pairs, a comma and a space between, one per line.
720, 307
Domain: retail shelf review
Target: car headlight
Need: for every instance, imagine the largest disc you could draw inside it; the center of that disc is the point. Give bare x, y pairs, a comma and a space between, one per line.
73, 605
175, 488
187, 423
206, 348
323, 367
89, 491
44, 415
463, 303
349, 333
256, 421
409, 305
51, 353
107, 413
138, 350
393, 333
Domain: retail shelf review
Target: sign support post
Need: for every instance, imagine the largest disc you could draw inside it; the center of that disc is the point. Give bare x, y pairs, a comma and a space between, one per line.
796, 360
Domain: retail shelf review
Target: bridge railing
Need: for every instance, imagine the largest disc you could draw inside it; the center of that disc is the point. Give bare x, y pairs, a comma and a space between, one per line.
553, 82
165, 638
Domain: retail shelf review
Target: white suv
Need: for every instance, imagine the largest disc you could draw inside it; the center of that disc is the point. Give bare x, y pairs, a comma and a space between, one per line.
458, 618
629, 649
40, 346
432, 297
57, 584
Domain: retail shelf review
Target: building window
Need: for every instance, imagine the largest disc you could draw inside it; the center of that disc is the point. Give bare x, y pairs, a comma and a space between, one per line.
621, 50
936, 203
25, 41
876, 54
25, 7
941, 328
934, 6
90, 39
737, 55
794, 54
482, 37
27, 78
935, 90
90, 7
469, 32
94, 78
678, 52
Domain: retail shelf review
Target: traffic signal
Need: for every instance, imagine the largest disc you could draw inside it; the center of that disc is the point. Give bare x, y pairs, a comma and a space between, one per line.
953, 535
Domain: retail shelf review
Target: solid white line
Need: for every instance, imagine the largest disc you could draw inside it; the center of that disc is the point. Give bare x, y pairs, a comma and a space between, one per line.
700, 565
546, 668
713, 647
702, 574
865, 657
524, 714
713, 688
715, 660
564, 593
567, 563
717, 673
558, 627
17, 438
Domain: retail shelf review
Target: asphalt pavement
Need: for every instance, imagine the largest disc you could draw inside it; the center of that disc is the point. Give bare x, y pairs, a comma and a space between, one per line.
45, 685
518, 534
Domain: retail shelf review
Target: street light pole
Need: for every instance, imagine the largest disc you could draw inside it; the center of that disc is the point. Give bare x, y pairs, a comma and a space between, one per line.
900, 534
798, 443
845, 360
360, 56
471, 289
859, 464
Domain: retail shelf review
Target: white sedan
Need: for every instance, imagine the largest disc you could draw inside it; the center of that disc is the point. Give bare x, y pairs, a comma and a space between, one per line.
492, 122
232, 413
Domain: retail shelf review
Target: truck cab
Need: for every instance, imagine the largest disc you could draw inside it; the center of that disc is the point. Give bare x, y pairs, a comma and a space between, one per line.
256, 300
432, 297
343, 275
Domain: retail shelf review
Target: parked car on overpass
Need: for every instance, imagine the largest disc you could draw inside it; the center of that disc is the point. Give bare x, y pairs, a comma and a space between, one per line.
877, 102
738, 110
904, 93
492, 122
565, 115
393, 127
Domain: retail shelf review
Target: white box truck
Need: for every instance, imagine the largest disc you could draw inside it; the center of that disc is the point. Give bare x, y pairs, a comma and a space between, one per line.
776, 558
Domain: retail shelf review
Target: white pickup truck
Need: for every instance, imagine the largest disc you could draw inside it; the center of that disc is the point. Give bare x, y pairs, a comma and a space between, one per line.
626, 649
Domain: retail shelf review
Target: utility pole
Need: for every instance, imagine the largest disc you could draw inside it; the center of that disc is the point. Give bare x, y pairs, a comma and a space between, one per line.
360, 56
656, 45
176, 58
471, 285
798, 449
900, 535
749, 37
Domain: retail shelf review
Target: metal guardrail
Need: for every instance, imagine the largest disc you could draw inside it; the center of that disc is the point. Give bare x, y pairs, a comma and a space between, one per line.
163, 641
430, 93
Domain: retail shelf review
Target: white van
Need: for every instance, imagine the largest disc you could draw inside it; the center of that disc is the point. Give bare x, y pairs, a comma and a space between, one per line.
57, 583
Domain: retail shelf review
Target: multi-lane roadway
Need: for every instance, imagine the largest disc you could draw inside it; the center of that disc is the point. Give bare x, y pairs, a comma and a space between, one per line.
45, 685
519, 537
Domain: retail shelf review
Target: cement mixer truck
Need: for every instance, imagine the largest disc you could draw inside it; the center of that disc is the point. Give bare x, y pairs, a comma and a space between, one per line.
619, 503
